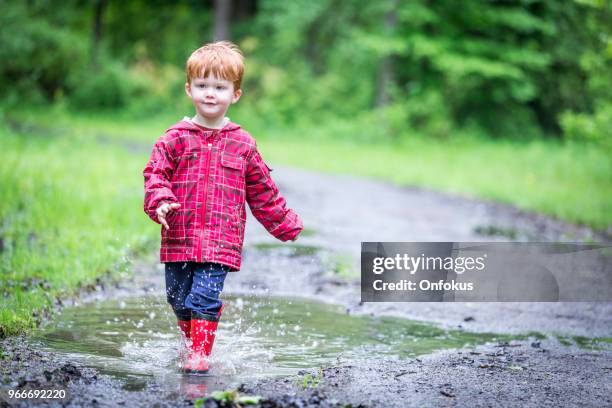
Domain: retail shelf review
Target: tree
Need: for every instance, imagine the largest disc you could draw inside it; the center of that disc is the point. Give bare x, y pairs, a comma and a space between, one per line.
99, 6
221, 26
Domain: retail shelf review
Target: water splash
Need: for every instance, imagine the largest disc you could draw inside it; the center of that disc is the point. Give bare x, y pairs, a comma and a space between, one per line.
137, 339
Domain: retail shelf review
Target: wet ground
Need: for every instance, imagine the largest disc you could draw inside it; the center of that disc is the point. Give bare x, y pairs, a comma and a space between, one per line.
296, 333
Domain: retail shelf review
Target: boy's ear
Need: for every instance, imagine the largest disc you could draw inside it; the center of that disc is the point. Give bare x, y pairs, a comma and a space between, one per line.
237, 95
188, 89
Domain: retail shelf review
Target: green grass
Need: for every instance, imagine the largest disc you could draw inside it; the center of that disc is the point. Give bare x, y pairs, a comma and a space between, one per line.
567, 181
593, 343
71, 212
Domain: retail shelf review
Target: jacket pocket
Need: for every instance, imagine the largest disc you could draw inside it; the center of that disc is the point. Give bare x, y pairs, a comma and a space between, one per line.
231, 180
231, 161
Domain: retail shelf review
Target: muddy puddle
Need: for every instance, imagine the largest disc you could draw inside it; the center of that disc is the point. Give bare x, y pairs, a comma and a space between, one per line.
135, 340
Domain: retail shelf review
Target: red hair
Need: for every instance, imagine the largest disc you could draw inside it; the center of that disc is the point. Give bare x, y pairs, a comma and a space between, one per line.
222, 59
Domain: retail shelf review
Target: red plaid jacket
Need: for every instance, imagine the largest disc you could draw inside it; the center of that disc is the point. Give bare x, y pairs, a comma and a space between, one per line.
211, 174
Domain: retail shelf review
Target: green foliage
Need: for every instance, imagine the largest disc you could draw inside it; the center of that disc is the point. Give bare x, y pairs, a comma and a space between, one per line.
227, 396
232, 398
109, 87
591, 128
38, 57
519, 69
161, 31
594, 123
312, 381
501, 69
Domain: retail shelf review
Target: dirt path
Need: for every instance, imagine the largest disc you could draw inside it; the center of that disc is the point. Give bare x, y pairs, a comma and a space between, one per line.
343, 211
339, 213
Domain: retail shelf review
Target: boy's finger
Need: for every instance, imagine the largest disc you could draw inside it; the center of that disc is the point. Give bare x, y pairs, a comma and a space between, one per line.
163, 222
174, 206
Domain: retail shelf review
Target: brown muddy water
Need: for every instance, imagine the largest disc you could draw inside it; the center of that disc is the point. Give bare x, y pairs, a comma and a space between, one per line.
136, 341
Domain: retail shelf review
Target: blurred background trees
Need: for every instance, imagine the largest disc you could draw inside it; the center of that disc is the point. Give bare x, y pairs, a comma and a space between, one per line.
387, 69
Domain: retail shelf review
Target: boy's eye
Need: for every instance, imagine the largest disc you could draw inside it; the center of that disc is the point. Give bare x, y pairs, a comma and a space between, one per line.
220, 88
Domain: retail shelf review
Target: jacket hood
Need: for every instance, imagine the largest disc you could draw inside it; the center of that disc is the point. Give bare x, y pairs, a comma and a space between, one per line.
187, 124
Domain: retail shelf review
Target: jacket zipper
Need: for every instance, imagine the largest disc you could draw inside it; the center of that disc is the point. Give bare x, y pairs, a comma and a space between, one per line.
200, 257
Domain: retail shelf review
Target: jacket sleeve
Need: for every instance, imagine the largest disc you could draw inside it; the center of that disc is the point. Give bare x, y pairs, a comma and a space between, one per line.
157, 175
266, 202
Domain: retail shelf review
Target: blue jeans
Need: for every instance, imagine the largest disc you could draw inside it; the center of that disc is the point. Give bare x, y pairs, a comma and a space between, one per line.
193, 289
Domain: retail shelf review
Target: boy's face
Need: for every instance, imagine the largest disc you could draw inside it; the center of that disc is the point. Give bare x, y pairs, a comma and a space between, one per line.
212, 96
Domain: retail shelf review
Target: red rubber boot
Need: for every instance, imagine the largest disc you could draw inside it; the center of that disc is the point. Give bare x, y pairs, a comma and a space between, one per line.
185, 326
203, 334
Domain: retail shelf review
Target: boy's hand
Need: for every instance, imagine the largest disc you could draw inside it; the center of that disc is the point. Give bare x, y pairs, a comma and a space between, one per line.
164, 210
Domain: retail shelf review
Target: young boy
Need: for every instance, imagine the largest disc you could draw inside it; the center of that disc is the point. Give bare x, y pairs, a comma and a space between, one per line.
201, 173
